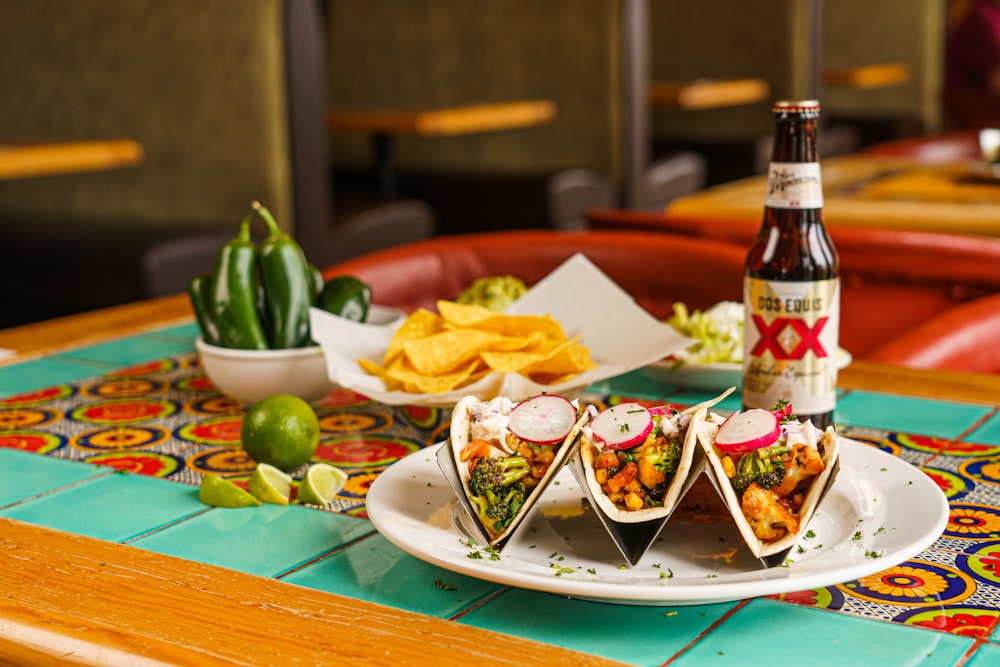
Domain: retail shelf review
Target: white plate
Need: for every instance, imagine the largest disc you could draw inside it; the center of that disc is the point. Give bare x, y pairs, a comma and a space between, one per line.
712, 376
879, 504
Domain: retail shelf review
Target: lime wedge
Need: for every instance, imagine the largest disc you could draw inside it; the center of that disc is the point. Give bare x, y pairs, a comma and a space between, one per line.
321, 483
218, 492
270, 485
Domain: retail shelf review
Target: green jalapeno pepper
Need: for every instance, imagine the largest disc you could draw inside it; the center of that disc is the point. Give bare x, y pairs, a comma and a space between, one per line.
199, 290
347, 297
234, 293
288, 291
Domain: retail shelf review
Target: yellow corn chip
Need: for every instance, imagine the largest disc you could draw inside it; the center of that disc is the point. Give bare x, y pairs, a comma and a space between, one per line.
414, 381
569, 358
463, 314
420, 324
510, 362
444, 352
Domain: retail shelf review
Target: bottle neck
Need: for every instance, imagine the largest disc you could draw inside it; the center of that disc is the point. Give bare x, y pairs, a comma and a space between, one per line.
795, 140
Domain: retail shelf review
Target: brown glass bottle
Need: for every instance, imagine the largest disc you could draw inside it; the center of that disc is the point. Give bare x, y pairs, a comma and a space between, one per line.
791, 290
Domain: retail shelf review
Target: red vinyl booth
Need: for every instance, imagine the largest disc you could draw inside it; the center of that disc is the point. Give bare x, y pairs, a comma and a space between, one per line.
925, 290
656, 269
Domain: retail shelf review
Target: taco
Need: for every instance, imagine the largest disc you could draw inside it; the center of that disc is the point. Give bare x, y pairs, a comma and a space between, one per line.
504, 454
636, 460
771, 470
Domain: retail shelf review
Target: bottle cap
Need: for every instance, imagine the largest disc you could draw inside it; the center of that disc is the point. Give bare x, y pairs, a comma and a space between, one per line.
796, 106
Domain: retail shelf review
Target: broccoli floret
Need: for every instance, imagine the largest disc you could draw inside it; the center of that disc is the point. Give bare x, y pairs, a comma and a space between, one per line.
497, 491
500, 510
491, 473
764, 466
665, 459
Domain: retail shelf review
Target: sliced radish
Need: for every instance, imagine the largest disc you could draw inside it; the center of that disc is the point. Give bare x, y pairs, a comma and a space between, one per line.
664, 410
622, 426
543, 420
746, 431
784, 411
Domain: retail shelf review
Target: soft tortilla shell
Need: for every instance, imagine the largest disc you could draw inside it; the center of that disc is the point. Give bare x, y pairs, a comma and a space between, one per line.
830, 442
670, 499
461, 426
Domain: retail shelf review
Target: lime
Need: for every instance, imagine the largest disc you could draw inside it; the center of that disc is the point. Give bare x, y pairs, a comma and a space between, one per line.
281, 430
219, 492
270, 485
347, 297
322, 482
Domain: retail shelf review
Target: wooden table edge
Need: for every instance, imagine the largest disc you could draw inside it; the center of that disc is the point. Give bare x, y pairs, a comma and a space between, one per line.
109, 604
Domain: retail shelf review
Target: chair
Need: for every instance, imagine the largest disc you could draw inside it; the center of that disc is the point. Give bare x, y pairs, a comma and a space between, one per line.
228, 106
964, 338
893, 282
656, 269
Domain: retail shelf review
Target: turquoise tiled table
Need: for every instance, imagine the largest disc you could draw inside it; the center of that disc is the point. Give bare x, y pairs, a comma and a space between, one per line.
62, 414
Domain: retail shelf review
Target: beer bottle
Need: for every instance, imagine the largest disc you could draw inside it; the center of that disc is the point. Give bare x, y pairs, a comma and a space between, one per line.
791, 289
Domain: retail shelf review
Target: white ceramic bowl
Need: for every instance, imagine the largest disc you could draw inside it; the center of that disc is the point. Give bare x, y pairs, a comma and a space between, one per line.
251, 375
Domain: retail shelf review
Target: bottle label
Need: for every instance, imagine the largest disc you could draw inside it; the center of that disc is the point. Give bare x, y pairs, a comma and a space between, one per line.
794, 185
791, 334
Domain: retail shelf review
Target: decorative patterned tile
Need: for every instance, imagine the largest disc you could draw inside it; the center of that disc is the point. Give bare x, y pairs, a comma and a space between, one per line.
653, 635
921, 416
114, 507
373, 569
831, 639
268, 540
970, 525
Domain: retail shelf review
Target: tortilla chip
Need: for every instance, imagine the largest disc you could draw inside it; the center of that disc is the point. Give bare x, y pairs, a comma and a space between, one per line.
444, 352
568, 358
463, 314
420, 324
413, 380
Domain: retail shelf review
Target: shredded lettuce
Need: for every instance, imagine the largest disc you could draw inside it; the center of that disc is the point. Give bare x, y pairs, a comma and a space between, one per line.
717, 330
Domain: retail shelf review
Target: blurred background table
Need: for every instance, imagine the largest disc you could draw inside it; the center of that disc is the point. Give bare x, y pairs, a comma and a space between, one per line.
34, 159
384, 125
873, 191
708, 93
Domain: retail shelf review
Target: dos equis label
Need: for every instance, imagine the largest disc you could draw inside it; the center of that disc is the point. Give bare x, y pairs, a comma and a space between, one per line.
794, 185
790, 343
